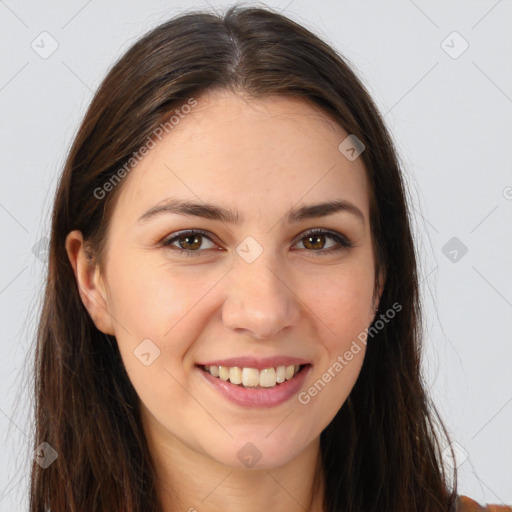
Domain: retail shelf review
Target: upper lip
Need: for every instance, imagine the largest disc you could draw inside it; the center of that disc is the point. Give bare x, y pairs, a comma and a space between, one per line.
255, 362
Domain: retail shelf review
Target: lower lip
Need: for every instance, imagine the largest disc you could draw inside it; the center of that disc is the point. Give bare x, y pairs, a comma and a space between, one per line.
258, 397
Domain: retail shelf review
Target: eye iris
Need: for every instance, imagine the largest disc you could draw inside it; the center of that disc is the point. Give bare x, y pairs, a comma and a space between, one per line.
317, 239
196, 241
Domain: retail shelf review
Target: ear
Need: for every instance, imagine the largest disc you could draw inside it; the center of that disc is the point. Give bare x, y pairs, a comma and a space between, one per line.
90, 282
378, 291
382, 282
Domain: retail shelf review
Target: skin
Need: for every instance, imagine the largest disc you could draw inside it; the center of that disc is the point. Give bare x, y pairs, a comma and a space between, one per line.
260, 157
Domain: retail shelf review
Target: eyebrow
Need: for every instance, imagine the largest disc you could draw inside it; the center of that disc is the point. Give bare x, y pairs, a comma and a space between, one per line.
218, 213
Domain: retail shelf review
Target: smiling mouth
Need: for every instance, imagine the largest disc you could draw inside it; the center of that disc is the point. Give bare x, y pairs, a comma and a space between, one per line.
252, 377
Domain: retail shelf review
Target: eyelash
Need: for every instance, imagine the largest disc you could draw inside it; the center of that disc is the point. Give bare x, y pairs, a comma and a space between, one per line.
344, 242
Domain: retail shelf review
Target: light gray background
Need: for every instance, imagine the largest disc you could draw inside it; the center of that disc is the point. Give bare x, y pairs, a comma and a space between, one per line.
451, 119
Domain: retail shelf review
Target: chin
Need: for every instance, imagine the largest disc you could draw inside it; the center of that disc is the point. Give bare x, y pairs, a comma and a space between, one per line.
259, 452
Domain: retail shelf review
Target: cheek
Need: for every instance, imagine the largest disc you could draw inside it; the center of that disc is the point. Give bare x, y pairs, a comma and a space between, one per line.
342, 302
333, 383
164, 305
156, 327
342, 306
152, 300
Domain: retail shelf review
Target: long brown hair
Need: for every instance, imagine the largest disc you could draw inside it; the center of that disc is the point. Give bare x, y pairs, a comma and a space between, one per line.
382, 451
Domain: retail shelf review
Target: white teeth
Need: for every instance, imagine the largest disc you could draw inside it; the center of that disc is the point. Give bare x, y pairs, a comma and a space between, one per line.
268, 378
280, 374
235, 375
290, 370
251, 377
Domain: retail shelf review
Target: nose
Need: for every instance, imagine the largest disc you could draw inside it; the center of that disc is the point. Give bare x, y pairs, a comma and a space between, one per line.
260, 300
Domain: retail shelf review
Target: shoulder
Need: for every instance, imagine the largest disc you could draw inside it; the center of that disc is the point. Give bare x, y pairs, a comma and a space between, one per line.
465, 504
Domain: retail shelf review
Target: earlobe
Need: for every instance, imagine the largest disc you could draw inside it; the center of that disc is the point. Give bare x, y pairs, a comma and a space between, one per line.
90, 283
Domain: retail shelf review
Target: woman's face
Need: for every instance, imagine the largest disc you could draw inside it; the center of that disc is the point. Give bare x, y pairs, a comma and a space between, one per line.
255, 291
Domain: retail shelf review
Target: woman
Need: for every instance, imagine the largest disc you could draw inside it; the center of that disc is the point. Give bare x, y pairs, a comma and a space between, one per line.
231, 317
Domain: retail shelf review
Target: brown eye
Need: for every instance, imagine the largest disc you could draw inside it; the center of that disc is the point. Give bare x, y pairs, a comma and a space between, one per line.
315, 241
188, 243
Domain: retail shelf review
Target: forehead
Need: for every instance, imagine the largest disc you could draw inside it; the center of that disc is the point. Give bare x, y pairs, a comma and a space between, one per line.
257, 156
